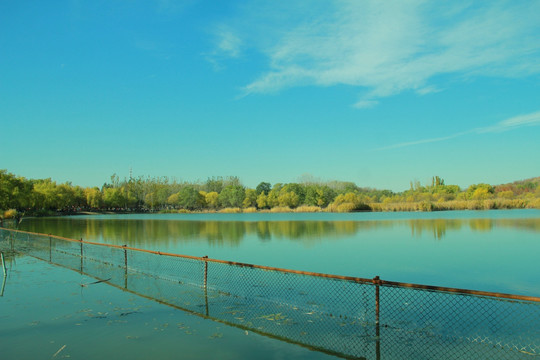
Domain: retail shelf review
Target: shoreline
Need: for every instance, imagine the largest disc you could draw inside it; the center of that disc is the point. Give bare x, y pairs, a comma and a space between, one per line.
476, 205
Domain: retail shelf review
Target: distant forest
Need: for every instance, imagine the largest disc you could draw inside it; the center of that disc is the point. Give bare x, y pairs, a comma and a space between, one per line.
19, 195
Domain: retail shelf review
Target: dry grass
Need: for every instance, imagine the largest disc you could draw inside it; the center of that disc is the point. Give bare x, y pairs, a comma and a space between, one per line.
401, 206
487, 204
307, 209
280, 209
230, 211
341, 208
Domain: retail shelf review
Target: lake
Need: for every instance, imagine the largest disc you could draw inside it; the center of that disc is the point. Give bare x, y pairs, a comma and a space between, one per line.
45, 313
50, 299
482, 250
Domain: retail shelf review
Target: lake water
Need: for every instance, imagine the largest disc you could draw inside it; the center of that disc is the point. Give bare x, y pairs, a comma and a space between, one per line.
45, 313
43, 303
482, 250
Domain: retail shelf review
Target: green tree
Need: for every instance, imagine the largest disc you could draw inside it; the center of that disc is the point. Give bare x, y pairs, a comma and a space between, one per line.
212, 200
348, 202
232, 196
173, 199
263, 187
446, 192
15, 192
68, 196
480, 191
214, 184
436, 181
250, 199
137, 190
288, 198
189, 198
342, 187
298, 189
262, 201
94, 197
114, 197
319, 195
45, 194
272, 200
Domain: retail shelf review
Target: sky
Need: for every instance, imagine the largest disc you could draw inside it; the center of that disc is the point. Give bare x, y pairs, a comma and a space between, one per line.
380, 93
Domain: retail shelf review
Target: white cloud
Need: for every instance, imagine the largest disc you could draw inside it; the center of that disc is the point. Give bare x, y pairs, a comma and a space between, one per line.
532, 119
385, 48
424, 141
229, 43
428, 90
365, 104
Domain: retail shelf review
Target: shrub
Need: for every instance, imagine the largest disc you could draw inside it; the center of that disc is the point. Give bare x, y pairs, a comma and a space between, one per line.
426, 206
10, 214
534, 204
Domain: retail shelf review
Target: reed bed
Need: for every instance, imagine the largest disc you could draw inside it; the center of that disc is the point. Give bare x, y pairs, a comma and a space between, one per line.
230, 211
488, 204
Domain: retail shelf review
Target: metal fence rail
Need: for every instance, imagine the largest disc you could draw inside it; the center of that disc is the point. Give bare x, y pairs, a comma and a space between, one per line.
344, 316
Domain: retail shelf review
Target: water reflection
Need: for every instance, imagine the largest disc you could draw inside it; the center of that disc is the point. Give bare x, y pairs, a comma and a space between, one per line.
231, 233
335, 316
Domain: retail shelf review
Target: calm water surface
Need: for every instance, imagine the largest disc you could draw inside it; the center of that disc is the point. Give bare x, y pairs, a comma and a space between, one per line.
45, 313
485, 250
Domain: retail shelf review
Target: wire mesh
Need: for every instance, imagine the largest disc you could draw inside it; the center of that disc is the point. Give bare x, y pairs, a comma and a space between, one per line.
450, 325
352, 318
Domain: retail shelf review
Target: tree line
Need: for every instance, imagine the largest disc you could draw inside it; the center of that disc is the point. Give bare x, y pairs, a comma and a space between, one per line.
45, 196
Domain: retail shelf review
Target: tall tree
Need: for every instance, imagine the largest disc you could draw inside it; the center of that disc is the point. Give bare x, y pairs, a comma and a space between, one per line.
190, 198
263, 187
232, 196
250, 199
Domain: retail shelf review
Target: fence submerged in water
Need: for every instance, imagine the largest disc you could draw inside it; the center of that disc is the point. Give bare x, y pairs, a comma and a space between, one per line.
349, 317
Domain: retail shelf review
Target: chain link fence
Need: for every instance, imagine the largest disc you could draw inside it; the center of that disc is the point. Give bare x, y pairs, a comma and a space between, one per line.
349, 317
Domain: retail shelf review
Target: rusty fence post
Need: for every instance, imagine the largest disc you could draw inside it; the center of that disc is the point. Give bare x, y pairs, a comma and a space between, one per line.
205, 278
125, 267
205, 282
82, 255
377, 282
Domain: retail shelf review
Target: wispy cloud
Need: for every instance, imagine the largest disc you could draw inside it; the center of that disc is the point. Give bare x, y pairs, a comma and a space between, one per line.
423, 141
385, 48
366, 104
532, 119
229, 43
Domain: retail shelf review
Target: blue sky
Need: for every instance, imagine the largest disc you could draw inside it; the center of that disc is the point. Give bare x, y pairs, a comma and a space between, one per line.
379, 93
